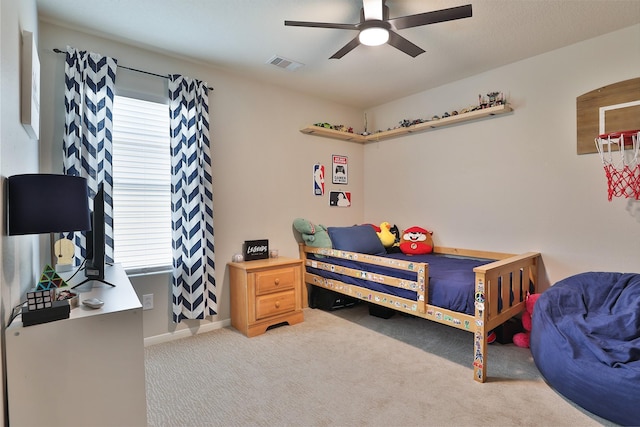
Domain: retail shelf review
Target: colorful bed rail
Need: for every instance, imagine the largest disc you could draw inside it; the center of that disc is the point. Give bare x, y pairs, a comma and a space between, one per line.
499, 288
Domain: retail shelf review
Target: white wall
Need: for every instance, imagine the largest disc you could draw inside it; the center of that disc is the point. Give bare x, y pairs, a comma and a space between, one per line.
19, 263
512, 183
262, 164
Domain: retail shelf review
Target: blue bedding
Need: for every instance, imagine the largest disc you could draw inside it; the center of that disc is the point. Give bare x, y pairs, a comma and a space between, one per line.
585, 340
451, 278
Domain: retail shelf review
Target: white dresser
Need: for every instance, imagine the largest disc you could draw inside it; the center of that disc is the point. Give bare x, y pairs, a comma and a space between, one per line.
84, 370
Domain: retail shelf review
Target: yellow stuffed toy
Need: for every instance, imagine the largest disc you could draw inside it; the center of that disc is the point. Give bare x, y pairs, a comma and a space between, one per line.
385, 235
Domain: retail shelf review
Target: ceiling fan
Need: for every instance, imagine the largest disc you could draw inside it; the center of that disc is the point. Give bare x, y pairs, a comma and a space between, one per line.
375, 28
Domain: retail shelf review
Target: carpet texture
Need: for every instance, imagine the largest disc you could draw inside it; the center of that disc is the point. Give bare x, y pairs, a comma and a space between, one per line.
346, 368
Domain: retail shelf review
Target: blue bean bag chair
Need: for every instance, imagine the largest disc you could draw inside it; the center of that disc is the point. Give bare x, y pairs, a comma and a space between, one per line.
585, 340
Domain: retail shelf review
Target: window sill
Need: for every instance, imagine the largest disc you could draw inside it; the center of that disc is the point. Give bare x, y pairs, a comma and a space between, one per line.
150, 271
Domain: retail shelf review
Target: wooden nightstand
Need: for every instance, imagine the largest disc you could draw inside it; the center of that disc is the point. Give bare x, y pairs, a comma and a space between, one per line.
265, 293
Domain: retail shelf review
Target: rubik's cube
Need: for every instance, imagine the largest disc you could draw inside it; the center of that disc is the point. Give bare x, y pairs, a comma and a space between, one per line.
50, 279
38, 300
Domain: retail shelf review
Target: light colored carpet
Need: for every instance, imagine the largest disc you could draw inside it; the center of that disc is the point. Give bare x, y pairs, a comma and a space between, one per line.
346, 368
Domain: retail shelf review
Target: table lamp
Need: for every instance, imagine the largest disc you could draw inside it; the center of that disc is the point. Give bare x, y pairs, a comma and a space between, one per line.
47, 203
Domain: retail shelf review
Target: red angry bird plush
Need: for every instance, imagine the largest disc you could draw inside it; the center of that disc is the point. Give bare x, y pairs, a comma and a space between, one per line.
522, 339
416, 241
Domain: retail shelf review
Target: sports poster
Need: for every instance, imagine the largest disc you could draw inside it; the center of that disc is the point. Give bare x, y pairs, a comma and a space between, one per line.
339, 169
318, 179
340, 199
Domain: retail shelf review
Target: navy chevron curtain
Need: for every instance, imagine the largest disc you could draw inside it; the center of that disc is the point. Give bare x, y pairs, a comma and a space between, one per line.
87, 140
194, 287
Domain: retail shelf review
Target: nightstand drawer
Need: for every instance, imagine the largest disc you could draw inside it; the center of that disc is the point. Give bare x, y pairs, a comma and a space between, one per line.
275, 280
274, 304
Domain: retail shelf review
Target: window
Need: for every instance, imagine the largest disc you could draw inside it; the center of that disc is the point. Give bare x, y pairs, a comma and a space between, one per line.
141, 185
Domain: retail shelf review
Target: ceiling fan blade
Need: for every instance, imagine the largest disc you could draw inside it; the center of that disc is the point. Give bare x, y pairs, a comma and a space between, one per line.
346, 48
434, 17
372, 9
320, 25
404, 45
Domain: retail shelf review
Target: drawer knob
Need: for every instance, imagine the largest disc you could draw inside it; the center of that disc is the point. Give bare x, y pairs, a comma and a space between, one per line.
277, 304
277, 281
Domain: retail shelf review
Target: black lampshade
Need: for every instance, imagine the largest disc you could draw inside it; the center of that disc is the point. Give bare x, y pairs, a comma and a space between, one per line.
47, 203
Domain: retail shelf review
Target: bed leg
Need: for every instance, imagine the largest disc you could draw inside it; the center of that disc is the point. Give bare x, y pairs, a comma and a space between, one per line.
480, 334
479, 353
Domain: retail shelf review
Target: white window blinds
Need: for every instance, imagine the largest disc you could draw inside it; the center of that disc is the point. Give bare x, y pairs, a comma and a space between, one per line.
141, 185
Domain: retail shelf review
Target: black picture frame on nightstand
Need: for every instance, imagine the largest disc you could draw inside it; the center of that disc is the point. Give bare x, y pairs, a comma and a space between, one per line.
255, 249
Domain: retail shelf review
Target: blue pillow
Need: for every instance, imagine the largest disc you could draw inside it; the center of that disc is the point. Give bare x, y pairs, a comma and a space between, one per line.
358, 238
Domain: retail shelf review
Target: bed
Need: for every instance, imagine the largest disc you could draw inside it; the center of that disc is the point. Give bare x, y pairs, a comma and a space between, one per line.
472, 290
585, 340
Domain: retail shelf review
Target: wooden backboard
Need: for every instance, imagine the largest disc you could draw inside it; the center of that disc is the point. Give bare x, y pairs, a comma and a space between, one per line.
611, 108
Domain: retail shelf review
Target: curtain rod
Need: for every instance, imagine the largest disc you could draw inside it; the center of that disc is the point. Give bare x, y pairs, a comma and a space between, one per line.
56, 50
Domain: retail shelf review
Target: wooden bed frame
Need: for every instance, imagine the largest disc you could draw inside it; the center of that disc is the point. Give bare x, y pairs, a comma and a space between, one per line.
506, 280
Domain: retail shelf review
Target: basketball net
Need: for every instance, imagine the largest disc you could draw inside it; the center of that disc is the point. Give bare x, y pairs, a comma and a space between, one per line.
620, 154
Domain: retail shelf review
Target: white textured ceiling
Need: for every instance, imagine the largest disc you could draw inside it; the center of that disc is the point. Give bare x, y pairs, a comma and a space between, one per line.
241, 35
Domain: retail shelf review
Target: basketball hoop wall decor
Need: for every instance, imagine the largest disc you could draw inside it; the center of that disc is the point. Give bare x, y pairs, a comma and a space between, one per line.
620, 154
605, 110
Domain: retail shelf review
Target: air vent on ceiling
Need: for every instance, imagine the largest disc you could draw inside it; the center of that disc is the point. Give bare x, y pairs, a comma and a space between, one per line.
284, 63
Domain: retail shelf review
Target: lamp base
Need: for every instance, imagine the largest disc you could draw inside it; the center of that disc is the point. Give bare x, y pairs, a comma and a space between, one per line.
64, 250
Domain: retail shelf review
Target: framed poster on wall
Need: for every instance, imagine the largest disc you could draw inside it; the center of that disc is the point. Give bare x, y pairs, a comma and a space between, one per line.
30, 86
318, 179
340, 169
340, 199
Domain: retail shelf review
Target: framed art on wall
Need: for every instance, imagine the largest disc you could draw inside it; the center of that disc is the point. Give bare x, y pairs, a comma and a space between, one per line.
30, 86
318, 179
340, 170
340, 199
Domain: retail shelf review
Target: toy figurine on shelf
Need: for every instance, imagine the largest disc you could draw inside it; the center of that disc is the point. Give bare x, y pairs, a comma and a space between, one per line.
341, 128
494, 99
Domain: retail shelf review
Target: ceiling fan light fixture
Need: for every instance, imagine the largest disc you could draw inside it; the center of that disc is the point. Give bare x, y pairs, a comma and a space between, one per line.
374, 36
376, 28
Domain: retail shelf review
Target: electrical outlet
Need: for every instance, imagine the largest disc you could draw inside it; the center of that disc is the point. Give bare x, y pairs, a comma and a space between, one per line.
147, 302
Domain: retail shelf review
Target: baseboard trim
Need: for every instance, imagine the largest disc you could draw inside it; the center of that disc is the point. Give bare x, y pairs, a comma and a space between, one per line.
185, 333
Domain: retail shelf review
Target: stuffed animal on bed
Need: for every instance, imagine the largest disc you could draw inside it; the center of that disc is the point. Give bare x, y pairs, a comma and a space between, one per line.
395, 248
522, 339
313, 235
416, 241
396, 232
385, 235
